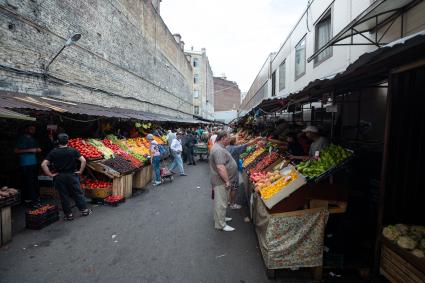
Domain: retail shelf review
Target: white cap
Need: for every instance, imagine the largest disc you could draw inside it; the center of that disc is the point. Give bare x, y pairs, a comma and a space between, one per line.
312, 129
149, 137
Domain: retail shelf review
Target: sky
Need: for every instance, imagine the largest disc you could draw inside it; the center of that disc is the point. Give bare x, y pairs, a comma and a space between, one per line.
238, 34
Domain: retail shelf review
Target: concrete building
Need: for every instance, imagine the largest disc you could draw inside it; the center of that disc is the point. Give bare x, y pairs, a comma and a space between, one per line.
203, 84
227, 97
311, 52
126, 56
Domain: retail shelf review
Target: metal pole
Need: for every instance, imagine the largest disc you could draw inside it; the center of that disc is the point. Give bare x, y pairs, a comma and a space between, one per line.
53, 59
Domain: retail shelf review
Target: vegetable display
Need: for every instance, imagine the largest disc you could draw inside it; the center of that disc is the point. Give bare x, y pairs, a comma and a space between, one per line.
411, 238
95, 184
6, 192
42, 210
112, 199
87, 150
329, 157
106, 152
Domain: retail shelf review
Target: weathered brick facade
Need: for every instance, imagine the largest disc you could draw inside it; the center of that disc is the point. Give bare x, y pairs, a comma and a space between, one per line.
227, 95
126, 56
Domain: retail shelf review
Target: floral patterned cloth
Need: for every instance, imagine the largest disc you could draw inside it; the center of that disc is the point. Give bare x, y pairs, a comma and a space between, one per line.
290, 240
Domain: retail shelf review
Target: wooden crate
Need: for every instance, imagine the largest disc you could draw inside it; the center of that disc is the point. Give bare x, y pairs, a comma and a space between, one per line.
5, 225
123, 186
397, 265
149, 173
333, 206
140, 178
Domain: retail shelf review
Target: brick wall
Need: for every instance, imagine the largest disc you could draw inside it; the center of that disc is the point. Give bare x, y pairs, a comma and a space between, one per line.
227, 95
126, 56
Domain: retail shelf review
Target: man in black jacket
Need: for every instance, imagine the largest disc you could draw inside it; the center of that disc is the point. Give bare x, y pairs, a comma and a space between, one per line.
66, 178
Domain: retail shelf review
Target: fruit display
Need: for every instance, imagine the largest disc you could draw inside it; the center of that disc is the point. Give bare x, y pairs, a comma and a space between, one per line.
158, 140
264, 162
329, 157
274, 183
408, 237
139, 146
87, 150
257, 176
119, 164
107, 152
252, 156
95, 184
42, 210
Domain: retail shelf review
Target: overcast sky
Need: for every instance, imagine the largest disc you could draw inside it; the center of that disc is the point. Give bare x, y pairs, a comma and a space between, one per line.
238, 34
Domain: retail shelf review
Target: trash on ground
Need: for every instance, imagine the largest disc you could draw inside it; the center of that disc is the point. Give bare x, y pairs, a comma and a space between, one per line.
220, 256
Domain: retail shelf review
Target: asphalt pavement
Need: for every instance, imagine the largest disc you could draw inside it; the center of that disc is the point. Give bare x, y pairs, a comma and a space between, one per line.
163, 234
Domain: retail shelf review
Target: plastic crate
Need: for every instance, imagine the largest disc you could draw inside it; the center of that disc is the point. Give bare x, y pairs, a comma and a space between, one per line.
115, 203
40, 221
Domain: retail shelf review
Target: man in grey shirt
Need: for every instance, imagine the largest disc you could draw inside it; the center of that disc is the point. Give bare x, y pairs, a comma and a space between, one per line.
224, 175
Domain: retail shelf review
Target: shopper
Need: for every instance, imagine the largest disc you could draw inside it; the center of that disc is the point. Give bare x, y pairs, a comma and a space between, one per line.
27, 148
224, 175
176, 151
66, 178
155, 159
294, 147
190, 145
212, 139
236, 151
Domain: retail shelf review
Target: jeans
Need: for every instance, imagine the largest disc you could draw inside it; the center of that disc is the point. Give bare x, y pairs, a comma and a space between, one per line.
156, 164
177, 162
68, 185
30, 182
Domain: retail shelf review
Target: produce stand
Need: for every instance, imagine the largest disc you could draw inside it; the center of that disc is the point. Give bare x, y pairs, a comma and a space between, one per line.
398, 265
142, 177
5, 225
290, 223
290, 239
200, 149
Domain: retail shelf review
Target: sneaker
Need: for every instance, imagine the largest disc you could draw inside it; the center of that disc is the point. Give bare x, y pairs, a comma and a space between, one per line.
228, 219
86, 212
235, 206
68, 217
156, 183
183, 174
228, 228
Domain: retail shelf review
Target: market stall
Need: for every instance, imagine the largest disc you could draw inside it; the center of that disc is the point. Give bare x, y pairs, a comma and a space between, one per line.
290, 204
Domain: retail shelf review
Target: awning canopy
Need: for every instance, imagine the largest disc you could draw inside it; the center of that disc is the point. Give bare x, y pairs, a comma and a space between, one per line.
376, 16
14, 100
369, 70
9, 114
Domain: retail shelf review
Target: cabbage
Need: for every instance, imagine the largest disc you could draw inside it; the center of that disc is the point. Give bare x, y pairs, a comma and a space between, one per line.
402, 229
418, 253
391, 233
406, 242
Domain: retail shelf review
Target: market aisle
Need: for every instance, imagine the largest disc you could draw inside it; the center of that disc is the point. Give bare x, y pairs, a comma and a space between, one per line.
162, 235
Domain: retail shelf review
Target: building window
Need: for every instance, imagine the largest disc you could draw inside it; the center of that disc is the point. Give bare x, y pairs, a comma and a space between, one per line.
195, 62
322, 36
282, 75
274, 83
300, 58
196, 93
196, 78
196, 110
